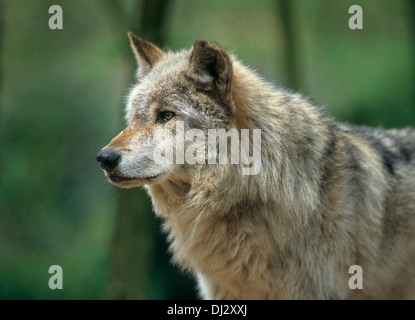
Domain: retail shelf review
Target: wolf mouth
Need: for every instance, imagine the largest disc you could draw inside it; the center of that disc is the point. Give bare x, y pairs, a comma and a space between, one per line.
116, 178
119, 178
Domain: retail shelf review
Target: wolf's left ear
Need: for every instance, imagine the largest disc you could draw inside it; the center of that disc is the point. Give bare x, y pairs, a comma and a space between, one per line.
146, 53
211, 69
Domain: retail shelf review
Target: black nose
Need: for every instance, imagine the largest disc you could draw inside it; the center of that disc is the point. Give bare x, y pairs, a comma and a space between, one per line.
108, 158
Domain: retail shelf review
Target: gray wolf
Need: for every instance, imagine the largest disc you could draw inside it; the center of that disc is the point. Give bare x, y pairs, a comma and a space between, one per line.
328, 196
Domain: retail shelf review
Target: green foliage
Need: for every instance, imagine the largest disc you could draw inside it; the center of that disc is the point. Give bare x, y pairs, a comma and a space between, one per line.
61, 100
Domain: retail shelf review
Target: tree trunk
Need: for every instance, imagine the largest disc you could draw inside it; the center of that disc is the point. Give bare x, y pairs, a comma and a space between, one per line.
285, 15
411, 7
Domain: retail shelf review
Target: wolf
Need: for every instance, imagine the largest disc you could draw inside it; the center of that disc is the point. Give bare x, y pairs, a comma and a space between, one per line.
328, 196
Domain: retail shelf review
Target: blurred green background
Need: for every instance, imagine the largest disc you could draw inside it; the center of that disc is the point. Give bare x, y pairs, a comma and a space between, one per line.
62, 96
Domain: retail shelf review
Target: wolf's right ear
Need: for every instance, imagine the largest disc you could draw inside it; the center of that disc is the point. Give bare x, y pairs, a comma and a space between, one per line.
146, 53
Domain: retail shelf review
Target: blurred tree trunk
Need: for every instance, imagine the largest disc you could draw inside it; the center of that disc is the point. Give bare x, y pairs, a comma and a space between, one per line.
152, 24
133, 243
284, 9
411, 7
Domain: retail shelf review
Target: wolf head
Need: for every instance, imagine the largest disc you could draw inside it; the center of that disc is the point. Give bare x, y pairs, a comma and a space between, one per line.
192, 88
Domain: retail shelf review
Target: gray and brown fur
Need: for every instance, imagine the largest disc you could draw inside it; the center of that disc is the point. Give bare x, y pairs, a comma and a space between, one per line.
328, 196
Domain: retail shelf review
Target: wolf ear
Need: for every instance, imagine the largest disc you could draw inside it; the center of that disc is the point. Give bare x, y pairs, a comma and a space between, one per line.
146, 53
211, 69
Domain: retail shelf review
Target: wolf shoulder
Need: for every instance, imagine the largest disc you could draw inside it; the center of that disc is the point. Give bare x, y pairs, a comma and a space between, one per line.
396, 147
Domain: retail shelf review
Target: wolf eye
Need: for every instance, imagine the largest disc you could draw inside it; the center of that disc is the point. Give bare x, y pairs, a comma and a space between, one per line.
165, 116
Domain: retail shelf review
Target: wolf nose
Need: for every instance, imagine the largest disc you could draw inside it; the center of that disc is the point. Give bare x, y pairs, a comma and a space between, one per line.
108, 158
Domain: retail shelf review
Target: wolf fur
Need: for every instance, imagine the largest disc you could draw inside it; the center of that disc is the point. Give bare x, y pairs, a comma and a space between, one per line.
328, 196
